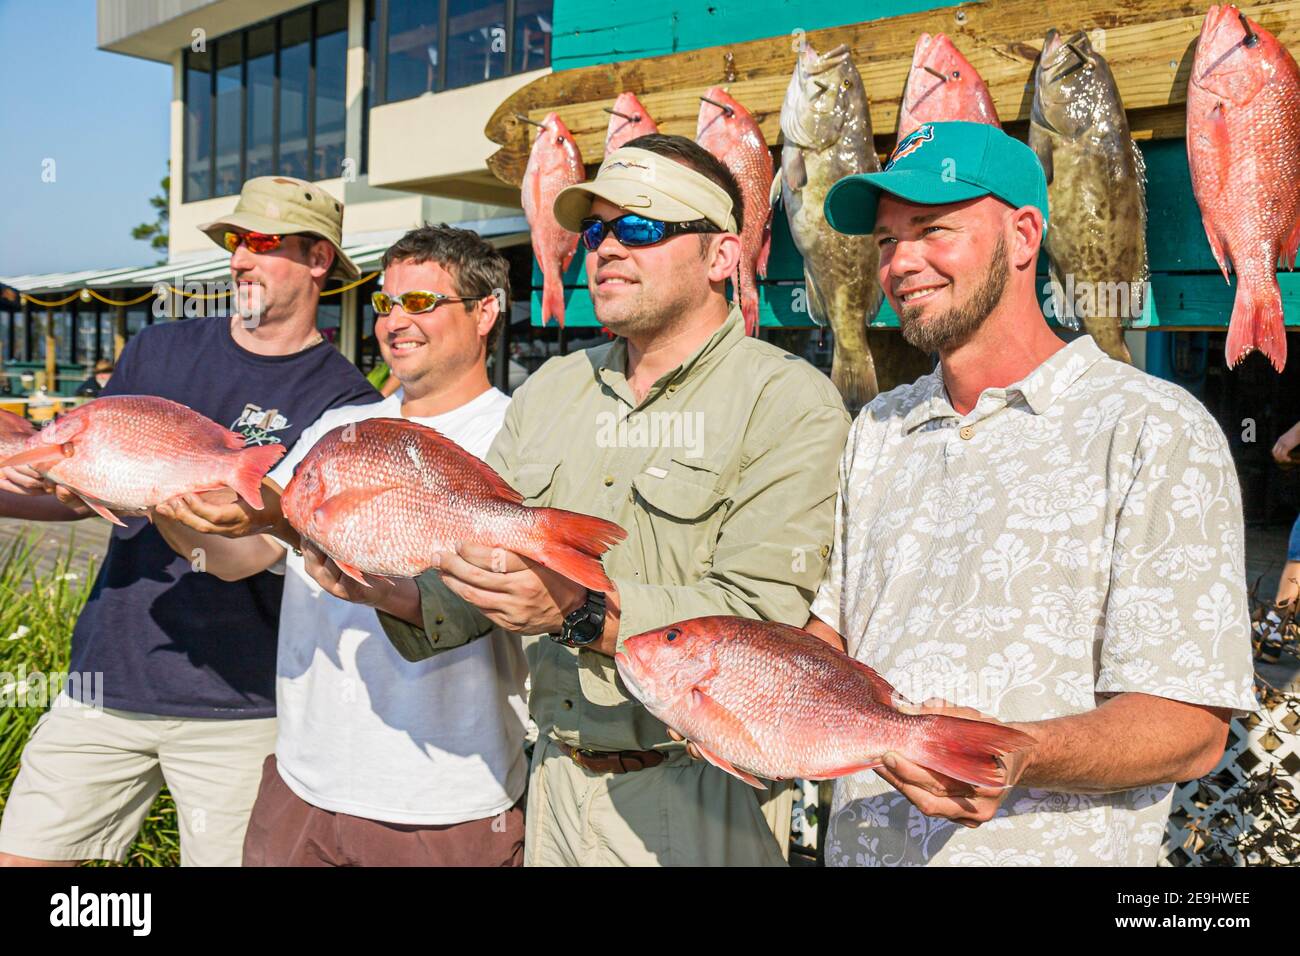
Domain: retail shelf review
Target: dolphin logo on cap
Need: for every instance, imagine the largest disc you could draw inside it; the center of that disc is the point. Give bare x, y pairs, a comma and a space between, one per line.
910, 143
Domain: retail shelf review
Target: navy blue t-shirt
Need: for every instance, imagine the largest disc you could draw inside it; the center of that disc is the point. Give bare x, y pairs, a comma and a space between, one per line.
171, 641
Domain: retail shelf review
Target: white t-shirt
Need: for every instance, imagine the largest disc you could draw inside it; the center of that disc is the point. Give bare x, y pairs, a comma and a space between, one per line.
363, 731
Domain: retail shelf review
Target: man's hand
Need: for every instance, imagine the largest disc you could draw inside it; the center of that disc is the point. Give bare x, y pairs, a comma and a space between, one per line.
510, 590
1283, 446
24, 480
937, 795
219, 512
399, 597
690, 747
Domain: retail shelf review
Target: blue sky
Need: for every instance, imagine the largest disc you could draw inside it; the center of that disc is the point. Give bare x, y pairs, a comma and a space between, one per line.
101, 117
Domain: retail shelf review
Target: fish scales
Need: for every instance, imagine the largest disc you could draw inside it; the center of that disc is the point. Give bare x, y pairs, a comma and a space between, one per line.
762, 699
1243, 150
1096, 181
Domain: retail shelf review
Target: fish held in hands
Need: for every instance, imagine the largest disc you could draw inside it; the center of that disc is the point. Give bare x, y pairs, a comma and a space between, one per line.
128, 453
760, 699
385, 496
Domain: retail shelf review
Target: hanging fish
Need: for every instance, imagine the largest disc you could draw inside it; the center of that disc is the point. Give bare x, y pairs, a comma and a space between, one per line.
554, 163
628, 119
943, 86
1096, 188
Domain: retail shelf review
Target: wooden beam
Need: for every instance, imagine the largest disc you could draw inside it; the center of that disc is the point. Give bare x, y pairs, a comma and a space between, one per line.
1148, 45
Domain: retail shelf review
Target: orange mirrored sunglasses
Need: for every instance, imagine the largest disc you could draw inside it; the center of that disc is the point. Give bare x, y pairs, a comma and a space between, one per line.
256, 241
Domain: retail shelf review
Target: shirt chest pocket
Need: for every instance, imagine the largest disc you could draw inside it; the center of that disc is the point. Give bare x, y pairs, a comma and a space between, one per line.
679, 513
535, 481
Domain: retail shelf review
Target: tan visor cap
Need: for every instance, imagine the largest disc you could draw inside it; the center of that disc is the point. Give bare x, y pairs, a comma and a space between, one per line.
284, 206
651, 185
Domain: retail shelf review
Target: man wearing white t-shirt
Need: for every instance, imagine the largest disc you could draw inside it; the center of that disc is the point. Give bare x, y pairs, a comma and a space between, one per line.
380, 760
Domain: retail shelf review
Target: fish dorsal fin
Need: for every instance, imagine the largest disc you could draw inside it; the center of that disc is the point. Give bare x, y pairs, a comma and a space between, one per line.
486, 472
881, 689
727, 724
232, 439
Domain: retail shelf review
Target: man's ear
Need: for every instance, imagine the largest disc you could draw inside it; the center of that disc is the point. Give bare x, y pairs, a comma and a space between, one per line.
321, 258
1027, 223
490, 309
725, 259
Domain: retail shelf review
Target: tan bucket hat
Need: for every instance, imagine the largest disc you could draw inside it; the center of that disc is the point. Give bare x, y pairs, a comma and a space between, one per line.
649, 184
284, 206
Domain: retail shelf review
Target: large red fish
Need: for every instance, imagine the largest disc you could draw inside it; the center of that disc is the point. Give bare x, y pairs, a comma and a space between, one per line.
730, 132
1243, 147
554, 163
384, 496
760, 699
628, 119
15, 431
942, 86
131, 452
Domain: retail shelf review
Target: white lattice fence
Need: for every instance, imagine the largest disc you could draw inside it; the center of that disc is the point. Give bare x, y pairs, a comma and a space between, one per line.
1227, 818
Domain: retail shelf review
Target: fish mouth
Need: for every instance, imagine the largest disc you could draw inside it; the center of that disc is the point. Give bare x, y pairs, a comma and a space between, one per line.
623, 662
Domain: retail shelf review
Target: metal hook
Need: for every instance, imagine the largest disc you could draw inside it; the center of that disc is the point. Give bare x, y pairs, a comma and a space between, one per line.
933, 72
722, 106
1251, 36
524, 119
614, 112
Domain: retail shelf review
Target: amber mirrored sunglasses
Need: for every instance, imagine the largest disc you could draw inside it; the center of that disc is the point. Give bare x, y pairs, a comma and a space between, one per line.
416, 301
256, 241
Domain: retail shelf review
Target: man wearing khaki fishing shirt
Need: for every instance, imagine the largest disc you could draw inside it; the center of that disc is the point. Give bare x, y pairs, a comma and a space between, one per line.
1033, 532
715, 451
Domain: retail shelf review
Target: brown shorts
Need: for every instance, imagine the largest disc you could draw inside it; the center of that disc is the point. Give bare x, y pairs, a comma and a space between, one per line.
285, 830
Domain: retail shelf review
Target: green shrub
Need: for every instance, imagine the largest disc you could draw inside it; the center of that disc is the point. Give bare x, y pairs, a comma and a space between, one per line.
42, 590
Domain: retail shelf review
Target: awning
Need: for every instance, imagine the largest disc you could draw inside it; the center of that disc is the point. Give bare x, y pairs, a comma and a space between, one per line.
366, 251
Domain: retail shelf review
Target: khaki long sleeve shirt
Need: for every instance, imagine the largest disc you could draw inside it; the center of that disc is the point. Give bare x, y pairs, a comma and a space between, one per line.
725, 478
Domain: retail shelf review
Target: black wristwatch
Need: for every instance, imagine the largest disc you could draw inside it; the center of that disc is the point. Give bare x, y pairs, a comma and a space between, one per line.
584, 624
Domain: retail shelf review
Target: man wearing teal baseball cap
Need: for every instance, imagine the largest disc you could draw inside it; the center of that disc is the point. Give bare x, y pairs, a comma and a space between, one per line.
1016, 542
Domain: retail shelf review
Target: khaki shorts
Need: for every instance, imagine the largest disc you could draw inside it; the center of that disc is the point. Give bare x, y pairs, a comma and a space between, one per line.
89, 776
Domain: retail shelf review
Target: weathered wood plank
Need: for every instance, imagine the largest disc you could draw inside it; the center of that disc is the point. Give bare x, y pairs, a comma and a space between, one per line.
1148, 45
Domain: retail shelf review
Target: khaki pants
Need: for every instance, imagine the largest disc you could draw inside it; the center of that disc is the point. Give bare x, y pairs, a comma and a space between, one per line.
683, 812
89, 776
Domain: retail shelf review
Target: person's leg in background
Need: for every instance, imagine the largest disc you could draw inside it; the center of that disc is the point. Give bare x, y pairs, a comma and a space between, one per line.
87, 780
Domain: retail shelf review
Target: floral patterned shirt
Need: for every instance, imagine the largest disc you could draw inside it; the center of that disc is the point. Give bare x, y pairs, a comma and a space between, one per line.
1076, 534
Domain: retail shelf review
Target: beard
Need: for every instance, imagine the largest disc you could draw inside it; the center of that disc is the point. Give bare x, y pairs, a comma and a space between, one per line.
645, 313
954, 328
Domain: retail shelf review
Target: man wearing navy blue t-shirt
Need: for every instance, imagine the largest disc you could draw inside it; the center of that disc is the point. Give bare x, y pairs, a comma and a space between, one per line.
187, 696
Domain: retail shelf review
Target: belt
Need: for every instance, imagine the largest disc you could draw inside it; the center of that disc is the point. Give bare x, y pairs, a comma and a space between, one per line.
612, 761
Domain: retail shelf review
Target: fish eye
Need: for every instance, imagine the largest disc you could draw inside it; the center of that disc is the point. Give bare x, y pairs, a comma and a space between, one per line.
956, 74
672, 634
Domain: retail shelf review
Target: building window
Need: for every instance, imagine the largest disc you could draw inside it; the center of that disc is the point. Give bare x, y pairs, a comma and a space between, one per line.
426, 46
267, 100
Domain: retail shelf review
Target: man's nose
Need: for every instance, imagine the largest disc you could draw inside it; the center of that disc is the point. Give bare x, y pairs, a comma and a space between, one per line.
241, 258
611, 248
905, 259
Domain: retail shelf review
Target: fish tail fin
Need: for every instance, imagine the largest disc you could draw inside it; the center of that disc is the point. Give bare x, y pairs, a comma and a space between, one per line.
856, 381
250, 468
553, 297
1292, 245
572, 544
1256, 323
967, 750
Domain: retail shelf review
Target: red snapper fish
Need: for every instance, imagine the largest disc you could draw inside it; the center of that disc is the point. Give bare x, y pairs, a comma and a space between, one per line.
15, 432
730, 132
128, 453
1243, 147
943, 86
628, 119
554, 163
760, 699
384, 496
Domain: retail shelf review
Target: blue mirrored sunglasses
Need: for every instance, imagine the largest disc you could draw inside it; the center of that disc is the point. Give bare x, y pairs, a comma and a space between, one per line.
633, 230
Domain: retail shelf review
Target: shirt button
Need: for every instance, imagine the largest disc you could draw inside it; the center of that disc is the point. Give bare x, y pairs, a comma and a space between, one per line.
609, 480
438, 619
568, 705
967, 432
825, 551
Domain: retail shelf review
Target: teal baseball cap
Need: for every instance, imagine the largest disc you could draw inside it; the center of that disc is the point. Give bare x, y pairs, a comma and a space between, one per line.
939, 163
